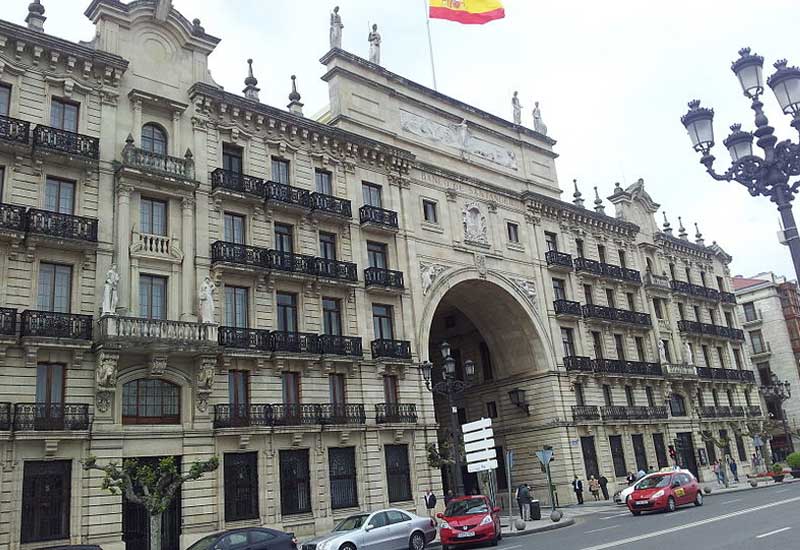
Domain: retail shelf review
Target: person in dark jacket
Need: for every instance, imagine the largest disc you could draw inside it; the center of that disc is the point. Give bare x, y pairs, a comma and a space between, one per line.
577, 486
430, 502
604, 486
524, 497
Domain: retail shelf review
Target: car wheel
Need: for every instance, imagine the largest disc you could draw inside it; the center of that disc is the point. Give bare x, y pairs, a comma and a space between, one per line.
636, 512
670, 504
698, 500
347, 546
417, 541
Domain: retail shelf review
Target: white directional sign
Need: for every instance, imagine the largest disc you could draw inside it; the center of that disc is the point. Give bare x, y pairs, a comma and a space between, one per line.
479, 445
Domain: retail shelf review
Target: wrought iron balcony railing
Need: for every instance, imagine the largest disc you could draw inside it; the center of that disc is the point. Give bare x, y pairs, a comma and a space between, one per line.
329, 204
734, 375
754, 411
8, 321
608, 271
658, 282
699, 291
15, 130
51, 416
707, 411
567, 307
292, 263
294, 342
240, 254
164, 165
727, 297
342, 413
391, 349
240, 415
579, 363
706, 329
348, 346
293, 414
62, 226
379, 216
64, 141
557, 259
377, 276
634, 412
5, 416
334, 269
737, 411
238, 183
12, 217
245, 338
585, 412
395, 413
621, 366
288, 195
612, 314
657, 412
50, 324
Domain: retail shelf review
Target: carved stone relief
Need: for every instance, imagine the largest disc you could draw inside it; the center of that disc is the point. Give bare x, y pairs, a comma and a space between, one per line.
428, 274
474, 224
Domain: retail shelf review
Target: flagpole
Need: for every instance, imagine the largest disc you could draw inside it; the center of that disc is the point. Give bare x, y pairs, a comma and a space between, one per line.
430, 43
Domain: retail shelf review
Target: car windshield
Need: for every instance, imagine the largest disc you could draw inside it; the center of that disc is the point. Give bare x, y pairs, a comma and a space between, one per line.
653, 482
466, 507
351, 523
204, 543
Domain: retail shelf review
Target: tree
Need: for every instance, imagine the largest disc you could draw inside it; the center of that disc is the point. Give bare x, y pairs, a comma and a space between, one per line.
153, 487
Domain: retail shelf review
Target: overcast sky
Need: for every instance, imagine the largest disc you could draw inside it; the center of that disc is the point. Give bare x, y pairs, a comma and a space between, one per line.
612, 79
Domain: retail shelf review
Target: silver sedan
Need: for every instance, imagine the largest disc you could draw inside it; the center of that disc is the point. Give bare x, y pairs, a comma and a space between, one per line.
389, 529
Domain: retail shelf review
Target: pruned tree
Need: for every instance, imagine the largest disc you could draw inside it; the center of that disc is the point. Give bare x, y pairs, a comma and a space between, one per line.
153, 487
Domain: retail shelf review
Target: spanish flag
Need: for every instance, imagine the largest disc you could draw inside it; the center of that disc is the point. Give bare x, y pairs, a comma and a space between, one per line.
469, 12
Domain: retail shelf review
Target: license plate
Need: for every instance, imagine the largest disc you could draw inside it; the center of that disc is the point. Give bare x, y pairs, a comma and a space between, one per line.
466, 535
641, 502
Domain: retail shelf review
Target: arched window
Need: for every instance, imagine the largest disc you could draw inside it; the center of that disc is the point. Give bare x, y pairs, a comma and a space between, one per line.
677, 405
150, 401
154, 139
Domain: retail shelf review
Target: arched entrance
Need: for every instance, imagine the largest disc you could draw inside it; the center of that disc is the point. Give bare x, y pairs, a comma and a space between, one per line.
493, 322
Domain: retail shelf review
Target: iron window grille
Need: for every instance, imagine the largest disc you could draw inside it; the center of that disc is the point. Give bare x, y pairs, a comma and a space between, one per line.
241, 486
398, 473
342, 474
295, 482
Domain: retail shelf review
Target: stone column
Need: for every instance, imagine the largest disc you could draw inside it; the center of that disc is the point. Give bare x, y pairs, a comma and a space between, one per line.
136, 131
187, 238
176, 134
123, 245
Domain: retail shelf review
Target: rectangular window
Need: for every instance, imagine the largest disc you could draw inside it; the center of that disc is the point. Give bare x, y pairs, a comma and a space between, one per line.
336, 387
639, 452
720, 284
579, 247
588, 295
331, 316
236, 307
713, 316
241, 486
64, 115
601, 253
295, 482
622, 262
697, 316
239, 390
152, 216
589, 457
610, 298
54, 290
580, 397
640, 348
667, 352
513, 232
651, 400
631, 301
681, 311
232, 158
342, 473
234, 228
618, 454
287, 312
152, 297
327, 245
630, 399
703, 278
382, 322
715, 397
559, 290
5, 99
657, 308
747, 399
740, 447
371, 194
757, 341
728, 319
491, 409
619, 344
706, 356
700, 399
291, 388
283, 238
597, 344
731, 400
59, 195
323, 182
721, 357
390, 388
486, 362
568, 342
608, 398
550, 241
661, 451
376, 255
2, 181
398, 473
688, 275
50, 390
280, 170
672, 272
46, 501
429, 211
737, 358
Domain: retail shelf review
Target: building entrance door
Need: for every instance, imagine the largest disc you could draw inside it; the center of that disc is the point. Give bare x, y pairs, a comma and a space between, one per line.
686, 458
589, 457
136, 523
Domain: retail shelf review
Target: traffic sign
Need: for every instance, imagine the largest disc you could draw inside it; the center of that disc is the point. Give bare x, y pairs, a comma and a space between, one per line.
476, 467
545, 456
477, 425
510, 459
487, 433
479, 446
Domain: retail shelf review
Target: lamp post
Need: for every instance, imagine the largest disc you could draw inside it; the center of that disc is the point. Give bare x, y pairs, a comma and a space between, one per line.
780, 392
768, 174
451, 387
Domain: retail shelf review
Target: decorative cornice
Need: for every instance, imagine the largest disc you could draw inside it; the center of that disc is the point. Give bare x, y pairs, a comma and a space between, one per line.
560, 210
677, 244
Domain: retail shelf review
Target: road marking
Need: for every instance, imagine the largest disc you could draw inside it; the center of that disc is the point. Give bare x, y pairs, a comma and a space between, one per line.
654, 534
617, 515
773, 532
602, 529
512, 547
782, 491
730, 501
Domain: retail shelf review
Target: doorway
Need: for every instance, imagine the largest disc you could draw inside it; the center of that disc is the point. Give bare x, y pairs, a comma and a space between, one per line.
135, 522
686, 457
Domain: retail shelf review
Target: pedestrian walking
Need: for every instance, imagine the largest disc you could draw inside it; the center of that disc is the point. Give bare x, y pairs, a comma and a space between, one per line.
577, 486
594, 487
640, 474
518, 496
525, 501
630, 478
430, 502
717, 471
603, 480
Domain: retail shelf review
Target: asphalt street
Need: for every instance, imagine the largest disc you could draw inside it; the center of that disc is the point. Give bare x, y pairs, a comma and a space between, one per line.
763, 518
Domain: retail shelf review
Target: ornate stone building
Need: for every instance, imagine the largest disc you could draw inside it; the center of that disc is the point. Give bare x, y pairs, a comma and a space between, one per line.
189, 272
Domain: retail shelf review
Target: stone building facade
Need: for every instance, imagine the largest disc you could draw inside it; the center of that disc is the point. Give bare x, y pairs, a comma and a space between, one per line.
278, 279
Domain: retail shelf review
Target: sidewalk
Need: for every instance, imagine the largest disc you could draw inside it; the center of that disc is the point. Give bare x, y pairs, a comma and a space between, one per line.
744, 485
537, 526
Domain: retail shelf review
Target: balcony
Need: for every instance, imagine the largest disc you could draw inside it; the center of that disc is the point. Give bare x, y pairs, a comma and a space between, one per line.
330, 206
163, 166
50, 324
236, 416
336, 270
342, 413
51, 417
659, 283
12, 220
235, 182
754, 411
608, 271
383, 278
680, 371
558, 261
614, 315
5, 416
141, 333
737, 411
714, 331
345, 346
245, 338
67, 143
731, 375
240, 255
578, 363
285, 196
395, 413
374, 217
707, 411
727, 297
15, 131
156, 246
8, 322
623, 367
585, 413
61, 226
294, 342
698, 291
391, 349
634, 412
567, 308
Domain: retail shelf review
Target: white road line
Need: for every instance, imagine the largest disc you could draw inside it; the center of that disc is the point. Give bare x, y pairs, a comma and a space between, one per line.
730, 501
617, 516
601, 529
782, 490
654, 534
512, 547
773, 532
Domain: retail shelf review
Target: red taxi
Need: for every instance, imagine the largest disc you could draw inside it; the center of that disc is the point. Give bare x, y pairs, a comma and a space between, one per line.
665, 491
469, 520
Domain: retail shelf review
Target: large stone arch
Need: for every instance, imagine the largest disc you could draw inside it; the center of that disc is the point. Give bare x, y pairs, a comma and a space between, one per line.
500, 309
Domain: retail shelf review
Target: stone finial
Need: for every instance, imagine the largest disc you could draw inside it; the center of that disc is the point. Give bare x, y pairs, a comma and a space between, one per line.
667, 226
698, 237
250, 83
682, 230
578, 201
36, 18
598, 202
295, 105
197, 28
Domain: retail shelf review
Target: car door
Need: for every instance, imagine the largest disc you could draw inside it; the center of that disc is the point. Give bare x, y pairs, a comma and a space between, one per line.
401, 528
260, 539
679, 488
378, 533
233, 541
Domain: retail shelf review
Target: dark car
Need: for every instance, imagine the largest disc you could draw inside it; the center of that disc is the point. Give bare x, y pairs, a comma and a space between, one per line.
248, 538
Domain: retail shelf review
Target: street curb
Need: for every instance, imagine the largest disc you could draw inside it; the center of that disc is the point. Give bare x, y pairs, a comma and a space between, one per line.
748, 488
565, 522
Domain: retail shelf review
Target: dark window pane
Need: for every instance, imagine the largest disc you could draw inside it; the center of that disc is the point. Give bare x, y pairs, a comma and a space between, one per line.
295, 482
241, 486
342, 468
398, 474
5, 99
154, 139
280, 171
376, 254
287, 312
429, 211
371, 194
283, 238
327, 246
64, 115
323, 182
331, 316
618, 455
46, 501
153, 216
54, 287
59, 195
232, 158
150, 401
234, 228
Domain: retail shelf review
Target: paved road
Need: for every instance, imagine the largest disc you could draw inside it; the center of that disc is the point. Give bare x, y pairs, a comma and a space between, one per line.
764, 518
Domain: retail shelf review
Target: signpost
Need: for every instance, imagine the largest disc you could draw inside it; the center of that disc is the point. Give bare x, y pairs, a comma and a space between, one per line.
509, 465
545, 457
480, 452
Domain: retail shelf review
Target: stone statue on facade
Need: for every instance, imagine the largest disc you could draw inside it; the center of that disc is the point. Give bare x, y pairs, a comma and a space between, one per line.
205, 376
428, 274
336, 28
688, 355
662, 352
110, 294
474, 225
538, 123
374, 40
106, 373
515, 104
206, 298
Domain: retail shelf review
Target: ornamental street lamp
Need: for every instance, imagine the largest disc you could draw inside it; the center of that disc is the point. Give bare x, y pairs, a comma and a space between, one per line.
451, 387
780, 392
768, 174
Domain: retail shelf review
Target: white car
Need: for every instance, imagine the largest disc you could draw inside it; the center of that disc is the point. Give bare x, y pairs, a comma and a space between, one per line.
621, 497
